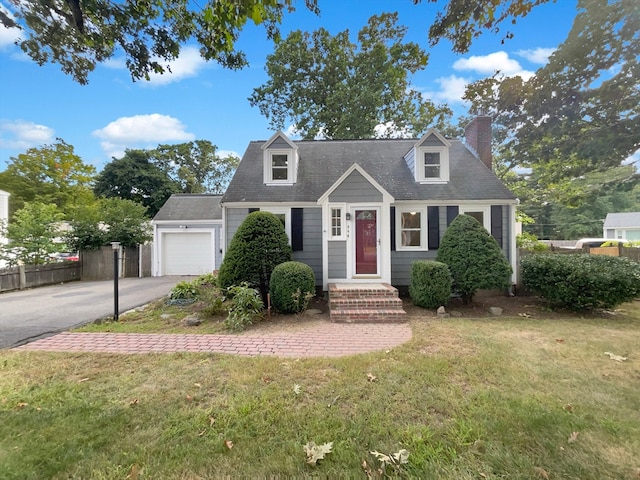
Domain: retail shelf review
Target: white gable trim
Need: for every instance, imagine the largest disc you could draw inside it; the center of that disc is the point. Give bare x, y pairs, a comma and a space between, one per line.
386, 196
283, 137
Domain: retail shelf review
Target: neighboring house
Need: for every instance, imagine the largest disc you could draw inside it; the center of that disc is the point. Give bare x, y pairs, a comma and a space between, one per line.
187, 235
622, 225
361, 211
4, 219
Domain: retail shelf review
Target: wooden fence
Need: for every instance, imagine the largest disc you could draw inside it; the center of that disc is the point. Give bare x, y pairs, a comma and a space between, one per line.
93, 265
29, 276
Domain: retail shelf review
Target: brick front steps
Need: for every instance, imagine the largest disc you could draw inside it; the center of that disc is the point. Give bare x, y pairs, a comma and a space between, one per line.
360, 302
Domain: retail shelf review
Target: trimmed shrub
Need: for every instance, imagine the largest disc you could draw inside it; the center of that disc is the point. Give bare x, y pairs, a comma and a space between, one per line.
581, 282
430, 284
259, 244
291, 285
474, 258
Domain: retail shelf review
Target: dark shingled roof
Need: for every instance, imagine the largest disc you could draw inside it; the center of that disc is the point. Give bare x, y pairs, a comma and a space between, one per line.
322, 162
190, 206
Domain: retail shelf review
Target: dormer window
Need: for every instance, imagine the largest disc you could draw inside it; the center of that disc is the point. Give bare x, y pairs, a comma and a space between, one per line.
280, 160
429, 158
279, 167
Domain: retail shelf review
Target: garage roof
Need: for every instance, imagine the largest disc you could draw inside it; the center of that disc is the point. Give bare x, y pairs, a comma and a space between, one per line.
190, 206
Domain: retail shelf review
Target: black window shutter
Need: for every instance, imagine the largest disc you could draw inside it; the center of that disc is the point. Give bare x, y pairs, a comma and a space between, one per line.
496, 223
433, 221
251, 210
393, 228
296, 229
452, 212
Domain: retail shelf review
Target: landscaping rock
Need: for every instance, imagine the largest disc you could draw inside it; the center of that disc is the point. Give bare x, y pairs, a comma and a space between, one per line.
442, 313
495, 311
312, 311
191, 321
453, 313
166, 316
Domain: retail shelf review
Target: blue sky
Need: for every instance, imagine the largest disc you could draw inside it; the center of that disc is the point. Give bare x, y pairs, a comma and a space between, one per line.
204, 101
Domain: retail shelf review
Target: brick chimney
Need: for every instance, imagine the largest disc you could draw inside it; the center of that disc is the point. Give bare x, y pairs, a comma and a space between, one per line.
477, 136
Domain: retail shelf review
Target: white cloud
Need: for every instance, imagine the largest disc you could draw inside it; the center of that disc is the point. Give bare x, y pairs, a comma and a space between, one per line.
451, 89
391, 130
21, 135
489, 64
141, 131
188, 64
537, 55
292, 131
228, 153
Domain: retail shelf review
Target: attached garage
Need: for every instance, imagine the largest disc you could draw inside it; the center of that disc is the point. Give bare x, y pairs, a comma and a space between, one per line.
187, 232
188, 253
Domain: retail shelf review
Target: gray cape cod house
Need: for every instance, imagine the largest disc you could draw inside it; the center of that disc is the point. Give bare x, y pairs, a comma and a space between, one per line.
361, 211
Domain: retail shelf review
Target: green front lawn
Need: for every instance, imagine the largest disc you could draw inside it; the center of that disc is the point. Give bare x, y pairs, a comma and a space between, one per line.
507, 397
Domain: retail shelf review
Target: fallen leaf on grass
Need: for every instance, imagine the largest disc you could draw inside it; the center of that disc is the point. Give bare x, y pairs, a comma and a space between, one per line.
296, 389
483, 475
542, 473
367, 469
197, 385
135, 401
202, 432
568, 408
371, 377
228, 444
617, 358
573, 437
211, 421
21, 405
83, 380
525, 315
134, 473
559, 340
316, 452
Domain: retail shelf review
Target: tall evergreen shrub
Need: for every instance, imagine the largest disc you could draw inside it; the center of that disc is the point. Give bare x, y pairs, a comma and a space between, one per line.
474, 258
259, 244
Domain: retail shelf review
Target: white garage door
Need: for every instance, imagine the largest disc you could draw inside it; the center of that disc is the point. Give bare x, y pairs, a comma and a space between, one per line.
187, 253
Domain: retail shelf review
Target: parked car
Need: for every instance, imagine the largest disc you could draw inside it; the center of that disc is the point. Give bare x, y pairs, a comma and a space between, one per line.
597, 242
67, 257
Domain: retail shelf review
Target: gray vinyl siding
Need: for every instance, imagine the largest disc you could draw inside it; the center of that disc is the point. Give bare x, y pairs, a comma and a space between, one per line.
401, 260
355, 188
431, 141
337, 259
279, 142
311, 253
235, 216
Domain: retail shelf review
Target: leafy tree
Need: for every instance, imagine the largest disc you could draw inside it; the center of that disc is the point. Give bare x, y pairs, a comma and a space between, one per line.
327, 85
78, 35
196, 166
135, 177
474, 258
48, 174
579, 114
108, 220
259, 244
33, 234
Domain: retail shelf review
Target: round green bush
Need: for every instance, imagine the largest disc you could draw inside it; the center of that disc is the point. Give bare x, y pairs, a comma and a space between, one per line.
259, 244
430, 284
581, 282
292, 284
474, 258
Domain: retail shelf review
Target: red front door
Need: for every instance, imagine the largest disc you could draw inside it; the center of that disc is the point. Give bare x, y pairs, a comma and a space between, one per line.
366, 242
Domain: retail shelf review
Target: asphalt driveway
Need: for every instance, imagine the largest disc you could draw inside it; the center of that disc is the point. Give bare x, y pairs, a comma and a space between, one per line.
39, 312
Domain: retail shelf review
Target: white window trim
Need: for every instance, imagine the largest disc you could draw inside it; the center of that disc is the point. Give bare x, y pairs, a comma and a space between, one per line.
268, 171
343, 221
423, 227
486, 213
287, 217
443, 150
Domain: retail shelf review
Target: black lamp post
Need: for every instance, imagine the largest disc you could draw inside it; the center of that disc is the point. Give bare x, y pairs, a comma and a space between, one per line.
116, 247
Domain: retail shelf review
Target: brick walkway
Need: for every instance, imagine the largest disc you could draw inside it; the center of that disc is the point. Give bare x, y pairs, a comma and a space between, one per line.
322, 340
